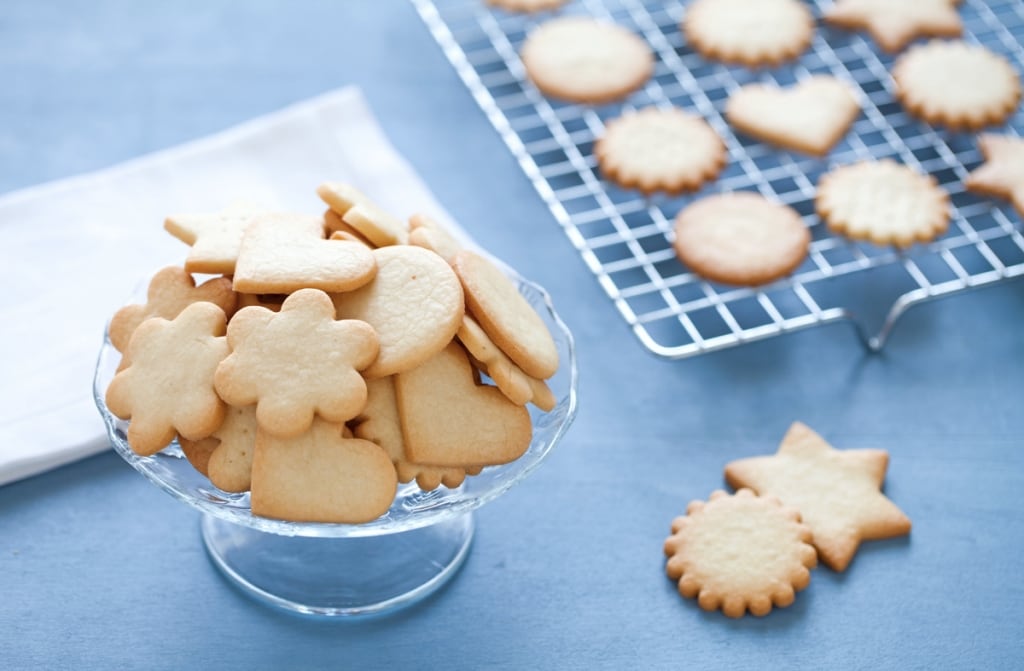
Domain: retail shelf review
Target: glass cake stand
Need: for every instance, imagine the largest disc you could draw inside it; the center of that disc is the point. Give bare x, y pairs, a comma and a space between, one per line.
346, 570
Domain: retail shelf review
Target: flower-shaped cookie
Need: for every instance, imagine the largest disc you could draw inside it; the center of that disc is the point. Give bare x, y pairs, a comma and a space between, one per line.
739, 553
296, 363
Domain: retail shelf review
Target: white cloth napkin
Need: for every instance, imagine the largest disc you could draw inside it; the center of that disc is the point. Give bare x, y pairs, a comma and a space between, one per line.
74, 250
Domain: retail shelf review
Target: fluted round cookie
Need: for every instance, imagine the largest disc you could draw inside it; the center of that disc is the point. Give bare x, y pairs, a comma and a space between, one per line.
660, 150
584, 60
749, 32
740, 553
414, 303
955, 84
884, 202
740, 238
505, 315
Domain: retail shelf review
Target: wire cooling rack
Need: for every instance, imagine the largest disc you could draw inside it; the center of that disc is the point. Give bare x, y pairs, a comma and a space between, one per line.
625, 238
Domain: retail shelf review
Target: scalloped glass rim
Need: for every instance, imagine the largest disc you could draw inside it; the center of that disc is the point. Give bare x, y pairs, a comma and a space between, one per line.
412, 507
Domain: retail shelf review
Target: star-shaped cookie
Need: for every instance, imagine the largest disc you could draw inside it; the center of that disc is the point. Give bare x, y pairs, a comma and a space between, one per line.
894, 23
1002, 173
837, 492
215, 237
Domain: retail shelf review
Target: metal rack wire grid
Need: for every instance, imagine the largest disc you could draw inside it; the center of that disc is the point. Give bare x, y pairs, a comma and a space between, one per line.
625, 238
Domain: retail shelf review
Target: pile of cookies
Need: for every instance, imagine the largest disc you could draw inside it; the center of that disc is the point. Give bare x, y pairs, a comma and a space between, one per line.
753, 550
746, 238
330, 358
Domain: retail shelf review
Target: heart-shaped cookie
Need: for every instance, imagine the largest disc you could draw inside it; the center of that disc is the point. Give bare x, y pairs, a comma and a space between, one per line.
321, 476
450, 420
809, 117
284, 253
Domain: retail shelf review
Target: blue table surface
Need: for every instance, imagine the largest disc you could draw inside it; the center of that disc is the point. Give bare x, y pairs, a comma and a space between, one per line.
101, 570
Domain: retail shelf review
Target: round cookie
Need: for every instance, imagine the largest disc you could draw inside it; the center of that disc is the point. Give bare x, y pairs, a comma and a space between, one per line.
740, 238
955, 84
660, 150
414, 303
505, 315
583, 60
884, 202
749, 32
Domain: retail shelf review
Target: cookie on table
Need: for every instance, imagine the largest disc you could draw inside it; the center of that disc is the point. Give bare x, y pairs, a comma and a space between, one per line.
809, 117
282, 253
517, 386
167, 389
660, 150
749, 32
884, 202
171, 290
740, 238
527, 6
895, 23
505, 316
414, 303
296, 364
321, 476
583, 60
1002, 173
740, 553
957, 85
450, 420
837, 492
381, 424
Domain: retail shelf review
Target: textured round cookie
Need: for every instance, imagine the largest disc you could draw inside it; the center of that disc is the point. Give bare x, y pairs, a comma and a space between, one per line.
527, 6
739, 553
505, 316
660, 150
955, 84
884, 202
586, 61
749, 32
740, 238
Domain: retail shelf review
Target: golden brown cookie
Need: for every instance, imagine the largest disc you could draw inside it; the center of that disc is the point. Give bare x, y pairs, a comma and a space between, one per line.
895, 23
321, 476
362, 214
749, 32
1002, 173
380, 423
810, 116
506, 317
740, 553
226, 456
296, 363
884, 202
215, 238
660, 150
337, 229
450, 420
429, 234
170, 291
740, 238
415, 304
167, 389
288, 252
517, 386
584, 60
955, 84
836, 492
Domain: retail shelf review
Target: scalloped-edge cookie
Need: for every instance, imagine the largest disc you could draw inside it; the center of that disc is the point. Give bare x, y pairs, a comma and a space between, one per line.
895, 23
884, 202
740, 238
836, 491
180, 357
171, 290
809, 117
957, 85
749, 32
740, 553
321, 476
1002, 173
583, 60
296, 363
658, 149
